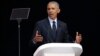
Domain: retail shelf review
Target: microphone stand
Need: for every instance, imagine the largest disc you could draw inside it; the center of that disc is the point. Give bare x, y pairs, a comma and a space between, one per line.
19, 20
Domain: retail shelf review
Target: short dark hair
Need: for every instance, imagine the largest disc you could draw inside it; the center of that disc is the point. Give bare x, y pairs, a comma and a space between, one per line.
55, 2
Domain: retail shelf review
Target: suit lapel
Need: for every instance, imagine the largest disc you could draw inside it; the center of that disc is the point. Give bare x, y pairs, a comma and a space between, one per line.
49, 31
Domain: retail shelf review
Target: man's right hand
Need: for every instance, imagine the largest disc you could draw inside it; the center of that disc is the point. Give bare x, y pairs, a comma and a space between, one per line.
38, 38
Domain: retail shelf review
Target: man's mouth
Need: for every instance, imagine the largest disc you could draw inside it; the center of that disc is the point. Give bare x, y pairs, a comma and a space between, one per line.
50, 14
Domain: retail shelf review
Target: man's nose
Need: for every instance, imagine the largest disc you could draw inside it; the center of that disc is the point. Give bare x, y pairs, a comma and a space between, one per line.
50, 10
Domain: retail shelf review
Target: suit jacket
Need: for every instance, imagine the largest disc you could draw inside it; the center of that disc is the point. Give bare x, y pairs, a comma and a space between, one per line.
45, 30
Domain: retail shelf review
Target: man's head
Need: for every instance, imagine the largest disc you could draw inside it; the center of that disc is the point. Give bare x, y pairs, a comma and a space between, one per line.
53, 9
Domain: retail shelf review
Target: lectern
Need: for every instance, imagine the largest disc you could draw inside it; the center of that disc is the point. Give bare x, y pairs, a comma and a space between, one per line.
59, 49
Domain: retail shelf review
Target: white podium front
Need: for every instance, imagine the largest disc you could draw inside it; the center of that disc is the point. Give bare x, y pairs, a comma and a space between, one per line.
59, 49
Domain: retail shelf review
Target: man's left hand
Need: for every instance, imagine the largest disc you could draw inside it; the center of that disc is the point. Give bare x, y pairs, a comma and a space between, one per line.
78, 38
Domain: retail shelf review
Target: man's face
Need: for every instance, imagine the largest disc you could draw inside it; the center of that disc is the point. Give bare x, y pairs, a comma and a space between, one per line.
52, 10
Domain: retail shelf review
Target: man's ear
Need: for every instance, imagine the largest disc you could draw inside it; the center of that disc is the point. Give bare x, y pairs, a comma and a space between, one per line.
58, 10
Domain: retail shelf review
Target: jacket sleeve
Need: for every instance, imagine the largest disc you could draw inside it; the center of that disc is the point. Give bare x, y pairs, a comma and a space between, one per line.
32, 44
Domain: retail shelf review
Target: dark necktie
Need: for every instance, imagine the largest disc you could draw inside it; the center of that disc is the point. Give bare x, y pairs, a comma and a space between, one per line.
54, 30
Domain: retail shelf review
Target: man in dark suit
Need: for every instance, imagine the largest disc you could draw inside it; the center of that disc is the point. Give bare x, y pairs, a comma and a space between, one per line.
51, 30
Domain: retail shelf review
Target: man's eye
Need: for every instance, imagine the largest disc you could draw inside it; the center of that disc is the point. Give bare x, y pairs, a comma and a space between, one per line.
53, 8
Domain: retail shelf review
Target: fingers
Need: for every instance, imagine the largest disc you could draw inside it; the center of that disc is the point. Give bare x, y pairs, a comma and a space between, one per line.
38, 37
37, 33
78, 37
77, 33
80, 34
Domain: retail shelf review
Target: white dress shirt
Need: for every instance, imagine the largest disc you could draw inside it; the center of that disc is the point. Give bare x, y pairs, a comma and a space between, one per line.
51, 22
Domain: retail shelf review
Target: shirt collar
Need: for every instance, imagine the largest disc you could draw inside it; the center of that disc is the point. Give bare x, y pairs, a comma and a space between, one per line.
52, 20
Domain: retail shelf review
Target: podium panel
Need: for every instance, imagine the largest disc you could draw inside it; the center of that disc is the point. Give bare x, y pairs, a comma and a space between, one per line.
59, 49
56, 54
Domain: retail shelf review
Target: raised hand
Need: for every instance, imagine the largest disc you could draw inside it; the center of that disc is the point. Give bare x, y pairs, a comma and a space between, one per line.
78, 38
38, 37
